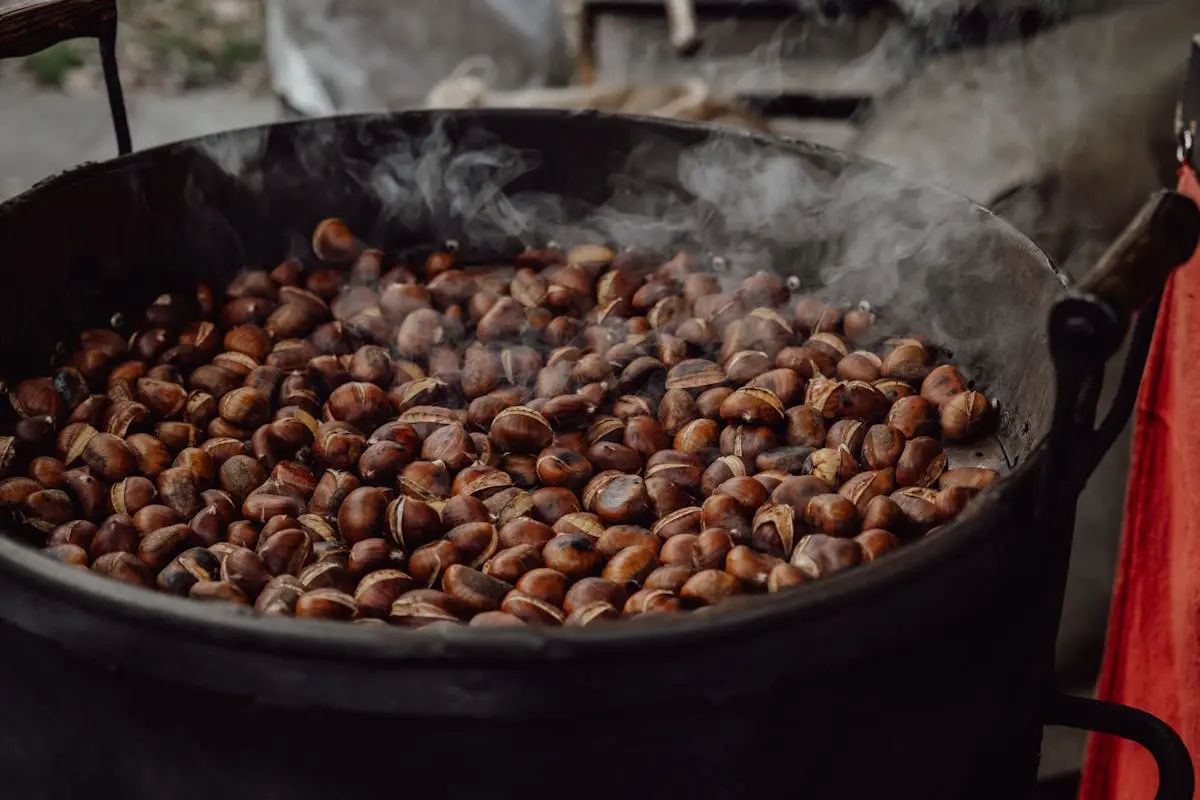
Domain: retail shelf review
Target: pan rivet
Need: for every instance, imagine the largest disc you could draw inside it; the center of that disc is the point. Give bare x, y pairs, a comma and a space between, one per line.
720, 264
117, 320
793, 283
451, 245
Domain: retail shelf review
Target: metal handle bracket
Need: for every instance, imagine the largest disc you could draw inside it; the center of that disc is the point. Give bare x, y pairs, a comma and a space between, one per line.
1176, 776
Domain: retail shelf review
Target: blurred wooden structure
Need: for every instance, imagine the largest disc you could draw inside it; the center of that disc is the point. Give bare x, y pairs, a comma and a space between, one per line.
812, 75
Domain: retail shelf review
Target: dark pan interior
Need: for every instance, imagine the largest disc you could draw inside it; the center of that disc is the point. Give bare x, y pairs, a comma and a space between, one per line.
112, 236
109, 237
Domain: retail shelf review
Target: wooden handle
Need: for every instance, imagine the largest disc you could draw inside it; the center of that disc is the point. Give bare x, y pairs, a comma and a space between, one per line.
27, 26
1162, 237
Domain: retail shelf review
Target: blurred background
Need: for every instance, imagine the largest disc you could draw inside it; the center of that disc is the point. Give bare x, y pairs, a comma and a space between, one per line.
1056, 113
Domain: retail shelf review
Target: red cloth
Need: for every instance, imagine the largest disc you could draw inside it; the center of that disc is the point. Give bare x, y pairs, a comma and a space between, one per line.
1152, 656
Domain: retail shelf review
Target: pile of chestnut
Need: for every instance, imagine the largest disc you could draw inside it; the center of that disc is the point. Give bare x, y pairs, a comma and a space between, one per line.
575, 437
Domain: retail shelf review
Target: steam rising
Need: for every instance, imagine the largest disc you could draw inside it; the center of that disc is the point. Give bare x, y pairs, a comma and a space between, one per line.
850, 231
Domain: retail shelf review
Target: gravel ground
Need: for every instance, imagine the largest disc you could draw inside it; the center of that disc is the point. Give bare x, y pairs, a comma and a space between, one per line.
163, 46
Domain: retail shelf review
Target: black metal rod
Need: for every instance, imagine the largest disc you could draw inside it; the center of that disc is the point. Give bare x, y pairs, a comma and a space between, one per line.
1080, 328
116, 97
1176, 776
1121, 408
1079, 331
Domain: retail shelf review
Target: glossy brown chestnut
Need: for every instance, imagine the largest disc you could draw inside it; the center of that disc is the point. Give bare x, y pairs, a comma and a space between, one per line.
412, 523
708, 403
511, 563
475, 590
833, 515
378, 591
463, 508
558, 466
618, 498
698, 435
189, 568
680, 551
952, 501
87, 494
651, 601
774, 529
47, 509
124, 567
178, 491
726, 512
286, 552
450, 444
965, 417
592, 613
325, 603
882, 447
261, 506
883, 512
496, 619
79, 533
749, 493
682, 469
157, 548
750, 567
631, 565
331, 492
909, 361
532, 610
876, 543
914, 416
921, 463
645, 435
67, 553
784, 576
684, 520
785, 460
522, 430
108, 457
918, 505
476, 542
712, 547
709, 587
116, 534
218, 591
427, 563
279, 596
942, 383
970, 477
574, 555
245, 569
747, 442
818, 555
669, 578
508, 505
834, 467
721, 470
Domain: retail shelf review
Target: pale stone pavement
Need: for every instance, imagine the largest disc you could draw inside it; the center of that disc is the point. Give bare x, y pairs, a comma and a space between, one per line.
42, 133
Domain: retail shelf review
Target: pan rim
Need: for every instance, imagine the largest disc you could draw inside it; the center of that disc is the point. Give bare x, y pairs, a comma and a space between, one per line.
246, 633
